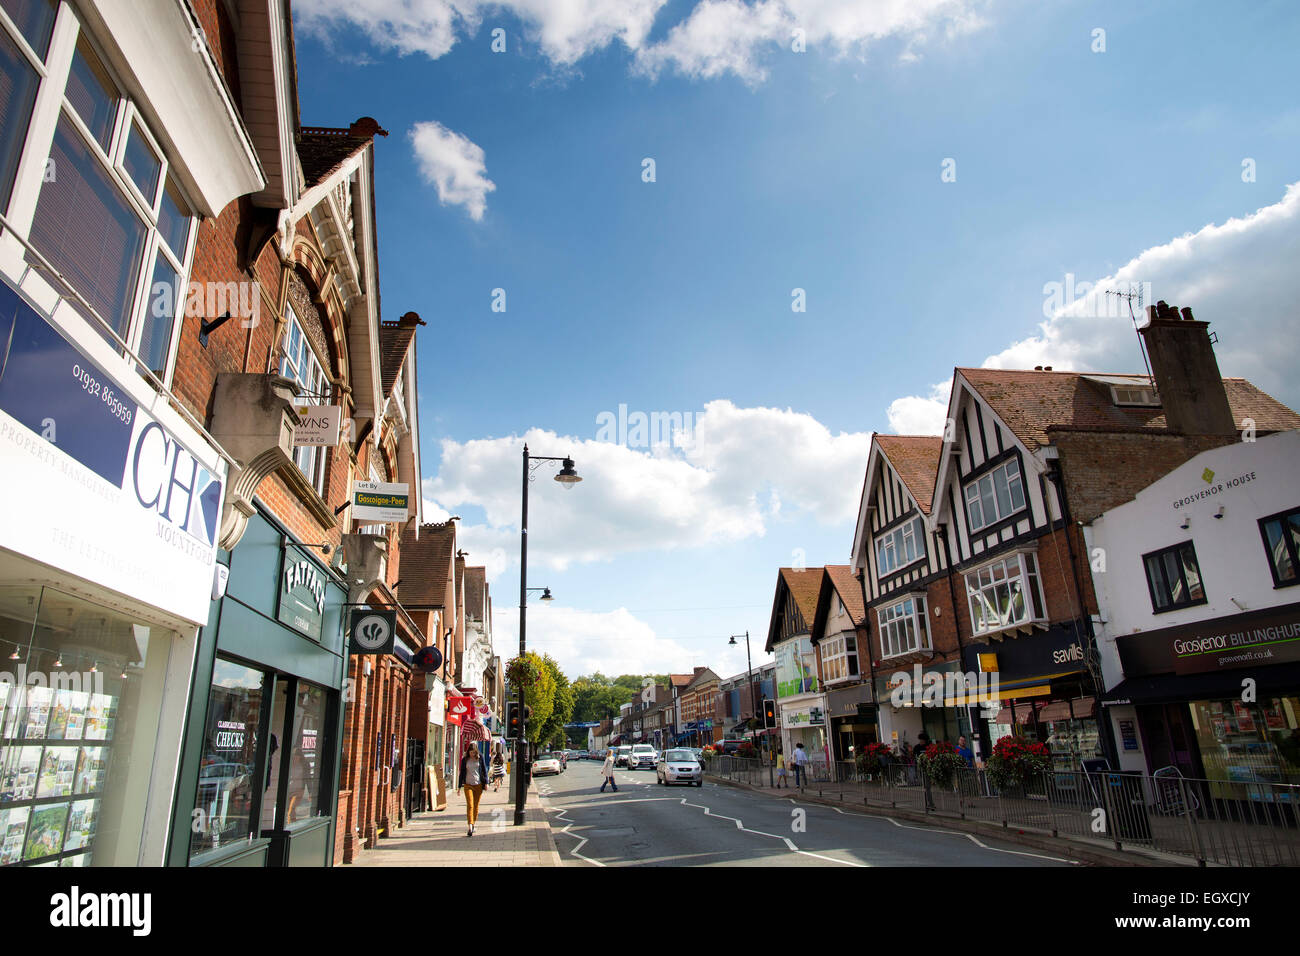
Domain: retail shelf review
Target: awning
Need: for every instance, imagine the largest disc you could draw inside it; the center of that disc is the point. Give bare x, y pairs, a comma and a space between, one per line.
1060, 709
1170, 688
1024, 715
1018, 693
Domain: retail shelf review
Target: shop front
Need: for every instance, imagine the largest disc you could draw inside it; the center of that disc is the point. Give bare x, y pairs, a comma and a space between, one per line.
258, 782
1218, 699
107, 554
912, 701
1046, 691
852, 714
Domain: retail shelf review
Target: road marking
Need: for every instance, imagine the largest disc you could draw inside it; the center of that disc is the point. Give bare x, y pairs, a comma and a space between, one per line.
582, 841
790, 845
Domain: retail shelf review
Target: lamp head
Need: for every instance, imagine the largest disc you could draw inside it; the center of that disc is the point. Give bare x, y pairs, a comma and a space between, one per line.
546, 595
568, 476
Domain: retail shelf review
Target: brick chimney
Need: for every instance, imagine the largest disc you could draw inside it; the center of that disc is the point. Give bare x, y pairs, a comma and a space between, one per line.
1186, 372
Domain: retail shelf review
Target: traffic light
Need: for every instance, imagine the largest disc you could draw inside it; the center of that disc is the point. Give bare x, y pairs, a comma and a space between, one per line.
769, 713
512, 719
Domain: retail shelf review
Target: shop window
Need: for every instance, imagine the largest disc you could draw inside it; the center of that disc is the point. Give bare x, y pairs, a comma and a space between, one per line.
223, 806
1005, 594
1174, 578
1249, 743
1282, 541
81, 707
108, 216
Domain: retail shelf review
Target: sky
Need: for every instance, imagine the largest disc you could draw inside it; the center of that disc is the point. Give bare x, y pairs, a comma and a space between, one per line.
777, 226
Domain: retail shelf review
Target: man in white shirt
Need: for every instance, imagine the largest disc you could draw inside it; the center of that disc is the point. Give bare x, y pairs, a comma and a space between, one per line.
607, 770
800, 765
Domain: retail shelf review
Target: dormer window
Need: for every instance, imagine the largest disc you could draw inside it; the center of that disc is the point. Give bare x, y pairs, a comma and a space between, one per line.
1142, 395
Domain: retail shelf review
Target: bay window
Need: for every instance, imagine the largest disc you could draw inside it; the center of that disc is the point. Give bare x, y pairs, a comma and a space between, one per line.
900, 547
1005, 594
995, 495
109, 214
839, 658
903, 627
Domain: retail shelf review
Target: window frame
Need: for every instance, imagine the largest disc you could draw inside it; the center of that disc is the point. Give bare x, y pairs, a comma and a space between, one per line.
895, 540
1293, 549
1159, 555
920, 625
991, 475
1031, 589
316, 476
49, 109
836, 651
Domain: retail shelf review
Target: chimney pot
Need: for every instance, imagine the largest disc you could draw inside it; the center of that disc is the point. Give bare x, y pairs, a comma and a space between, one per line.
1038, 368
1047, 368
1151, 313
1187, 315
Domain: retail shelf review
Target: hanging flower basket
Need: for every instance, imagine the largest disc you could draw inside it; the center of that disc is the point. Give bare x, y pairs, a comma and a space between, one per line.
940, 762
871, 759
522, 672
1015, 760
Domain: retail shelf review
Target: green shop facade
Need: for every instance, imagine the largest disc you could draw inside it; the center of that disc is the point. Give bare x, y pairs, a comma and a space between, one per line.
258, 777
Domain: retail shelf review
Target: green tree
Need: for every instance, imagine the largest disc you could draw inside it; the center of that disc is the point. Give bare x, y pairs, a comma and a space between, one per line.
562, 702
539, 696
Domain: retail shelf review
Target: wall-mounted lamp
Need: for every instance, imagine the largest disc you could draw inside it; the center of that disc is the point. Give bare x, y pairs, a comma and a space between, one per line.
1219, 513
1187, 522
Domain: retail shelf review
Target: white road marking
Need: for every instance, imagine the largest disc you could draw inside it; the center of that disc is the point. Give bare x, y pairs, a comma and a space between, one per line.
790, 845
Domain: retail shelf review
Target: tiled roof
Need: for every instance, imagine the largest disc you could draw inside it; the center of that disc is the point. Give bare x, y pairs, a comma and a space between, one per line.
394, 342
849, 590
915, 459
426, 563
475, 586
804, 585
322, 150
680, 680
1033, 402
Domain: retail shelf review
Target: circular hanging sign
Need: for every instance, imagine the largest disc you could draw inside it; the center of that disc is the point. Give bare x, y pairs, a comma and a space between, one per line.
372, 632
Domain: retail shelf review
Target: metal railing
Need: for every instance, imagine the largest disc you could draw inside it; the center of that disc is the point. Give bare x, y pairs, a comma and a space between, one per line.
1216, 822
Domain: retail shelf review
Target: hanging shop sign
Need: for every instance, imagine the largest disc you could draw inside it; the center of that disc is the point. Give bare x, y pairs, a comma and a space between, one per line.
101, 479
318, 425
428, 659
302, 595
381, 501
372, 631
459, 709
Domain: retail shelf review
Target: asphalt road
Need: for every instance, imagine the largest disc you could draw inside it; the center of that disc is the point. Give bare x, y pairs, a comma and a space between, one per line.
645, 824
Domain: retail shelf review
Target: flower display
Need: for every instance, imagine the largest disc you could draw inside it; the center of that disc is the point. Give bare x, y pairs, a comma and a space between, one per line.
940, 762
1015, 759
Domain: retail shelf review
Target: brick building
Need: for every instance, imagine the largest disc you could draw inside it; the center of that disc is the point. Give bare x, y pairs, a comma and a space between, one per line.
206, 266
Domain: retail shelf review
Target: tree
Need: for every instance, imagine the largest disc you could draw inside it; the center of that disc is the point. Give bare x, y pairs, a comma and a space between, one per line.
539, 693
562, 702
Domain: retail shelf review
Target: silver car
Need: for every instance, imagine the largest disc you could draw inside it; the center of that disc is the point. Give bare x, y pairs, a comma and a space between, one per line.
679, 766
642, 755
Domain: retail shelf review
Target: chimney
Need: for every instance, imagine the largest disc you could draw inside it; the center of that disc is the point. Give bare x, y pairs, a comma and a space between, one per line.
1186, 372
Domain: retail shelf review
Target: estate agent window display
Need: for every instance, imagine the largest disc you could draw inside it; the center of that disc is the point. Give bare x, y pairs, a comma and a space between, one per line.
80, 709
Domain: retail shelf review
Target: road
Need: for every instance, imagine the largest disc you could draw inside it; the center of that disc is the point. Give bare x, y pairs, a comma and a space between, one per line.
645, 824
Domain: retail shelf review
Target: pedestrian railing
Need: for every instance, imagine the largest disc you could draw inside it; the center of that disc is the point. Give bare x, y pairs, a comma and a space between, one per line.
1217, 822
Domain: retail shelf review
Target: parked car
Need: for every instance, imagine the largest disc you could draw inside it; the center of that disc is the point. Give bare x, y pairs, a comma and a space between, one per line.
642, 755
679, 765
621, 755
547, 763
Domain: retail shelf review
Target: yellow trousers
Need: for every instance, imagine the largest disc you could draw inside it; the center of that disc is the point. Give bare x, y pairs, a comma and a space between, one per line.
473, 792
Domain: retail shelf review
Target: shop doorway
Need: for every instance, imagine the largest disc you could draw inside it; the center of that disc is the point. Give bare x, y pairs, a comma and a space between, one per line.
1167, 736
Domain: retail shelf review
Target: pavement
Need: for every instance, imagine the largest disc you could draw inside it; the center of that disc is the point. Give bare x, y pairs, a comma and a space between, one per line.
437, 838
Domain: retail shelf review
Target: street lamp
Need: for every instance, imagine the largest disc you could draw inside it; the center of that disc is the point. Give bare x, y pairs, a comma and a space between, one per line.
753, 701
567, 477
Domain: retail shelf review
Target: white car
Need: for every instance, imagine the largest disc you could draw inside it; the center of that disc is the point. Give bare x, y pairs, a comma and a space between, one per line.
679, 766
641, 755
546, 763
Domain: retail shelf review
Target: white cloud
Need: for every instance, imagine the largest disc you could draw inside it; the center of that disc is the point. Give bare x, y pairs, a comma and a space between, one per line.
1240, 276
729, 36
566, 30
918, 414
715, 38
454, 165
583, 642
728, 481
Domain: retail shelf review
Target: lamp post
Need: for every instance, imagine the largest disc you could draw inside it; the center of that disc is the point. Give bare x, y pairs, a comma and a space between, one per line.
568, 478
753, 701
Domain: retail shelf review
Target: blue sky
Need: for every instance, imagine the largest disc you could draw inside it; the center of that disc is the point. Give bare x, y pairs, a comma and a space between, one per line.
776, 171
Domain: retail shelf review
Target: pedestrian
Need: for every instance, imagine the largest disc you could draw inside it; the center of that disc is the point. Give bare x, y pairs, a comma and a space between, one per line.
607, 771
498, 768
800, 766
780, 767
922, 743
964, 751
473, 780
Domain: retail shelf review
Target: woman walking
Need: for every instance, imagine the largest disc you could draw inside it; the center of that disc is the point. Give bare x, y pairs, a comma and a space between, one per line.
473, 778
498, 768
780, 767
